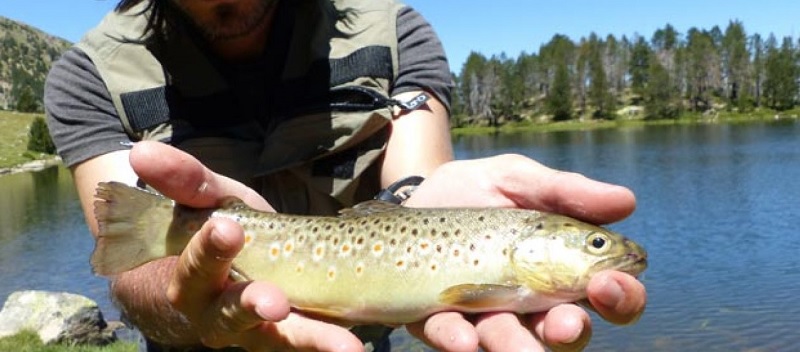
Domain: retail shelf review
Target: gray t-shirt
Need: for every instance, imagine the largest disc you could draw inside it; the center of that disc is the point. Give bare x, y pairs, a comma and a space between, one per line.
84, 123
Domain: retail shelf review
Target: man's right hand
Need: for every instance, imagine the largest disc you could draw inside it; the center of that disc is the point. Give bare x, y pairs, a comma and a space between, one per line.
253, 315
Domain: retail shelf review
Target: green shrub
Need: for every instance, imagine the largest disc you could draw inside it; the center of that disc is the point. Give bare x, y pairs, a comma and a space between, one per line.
39, 139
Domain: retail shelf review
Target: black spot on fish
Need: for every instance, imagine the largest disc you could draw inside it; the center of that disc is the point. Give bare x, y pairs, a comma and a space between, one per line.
387, 228
342, 225
360, 241
445, 234
457, 232
393, 242
442, 219
439, 248
403, 229
433, 232
475, 262
539, 226
472, 247
481, 218
425, 221
373, 234
350, 230
414, 232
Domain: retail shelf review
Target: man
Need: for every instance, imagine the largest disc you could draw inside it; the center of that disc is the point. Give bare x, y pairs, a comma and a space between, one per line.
302, 106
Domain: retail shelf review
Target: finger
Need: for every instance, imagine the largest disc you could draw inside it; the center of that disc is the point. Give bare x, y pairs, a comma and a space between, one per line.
183, 178
242, 307
299, 333
618, 297
566, 327
203, 268
534, 186
504, 332
446, 331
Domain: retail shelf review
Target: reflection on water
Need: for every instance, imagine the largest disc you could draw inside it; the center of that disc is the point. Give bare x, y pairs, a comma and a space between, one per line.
44, 242
717, 211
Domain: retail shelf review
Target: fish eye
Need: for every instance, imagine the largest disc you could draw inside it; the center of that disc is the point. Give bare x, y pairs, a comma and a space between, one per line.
597, 243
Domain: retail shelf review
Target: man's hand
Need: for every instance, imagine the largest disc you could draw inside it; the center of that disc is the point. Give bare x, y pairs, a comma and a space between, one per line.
515, 181
253, 315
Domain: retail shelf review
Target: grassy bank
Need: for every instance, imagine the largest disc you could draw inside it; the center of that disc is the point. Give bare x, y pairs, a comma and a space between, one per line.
14, 139
577, 125
30, 342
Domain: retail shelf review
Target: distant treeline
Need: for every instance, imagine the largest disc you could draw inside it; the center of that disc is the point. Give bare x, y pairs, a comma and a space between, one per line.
669, 74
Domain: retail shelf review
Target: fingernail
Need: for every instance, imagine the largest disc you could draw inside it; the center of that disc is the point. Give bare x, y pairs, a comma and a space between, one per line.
220, 242
264, 311
612, 293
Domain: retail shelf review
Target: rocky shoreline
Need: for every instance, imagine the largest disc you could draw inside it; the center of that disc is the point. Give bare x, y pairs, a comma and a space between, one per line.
58, 318
31, 166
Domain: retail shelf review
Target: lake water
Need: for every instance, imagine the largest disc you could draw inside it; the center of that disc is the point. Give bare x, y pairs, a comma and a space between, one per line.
717, 211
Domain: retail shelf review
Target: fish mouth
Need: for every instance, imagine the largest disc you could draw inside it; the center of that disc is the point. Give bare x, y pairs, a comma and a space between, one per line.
632, 263
635, 264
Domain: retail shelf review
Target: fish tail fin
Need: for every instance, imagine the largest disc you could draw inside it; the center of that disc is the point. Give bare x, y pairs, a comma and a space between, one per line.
133, 226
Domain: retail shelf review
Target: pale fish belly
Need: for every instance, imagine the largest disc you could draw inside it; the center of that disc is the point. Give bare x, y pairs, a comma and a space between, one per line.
378, 270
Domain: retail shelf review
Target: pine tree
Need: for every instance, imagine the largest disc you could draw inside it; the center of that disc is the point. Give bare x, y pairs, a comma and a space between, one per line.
660, 97
559, 101
26, 101
39, 139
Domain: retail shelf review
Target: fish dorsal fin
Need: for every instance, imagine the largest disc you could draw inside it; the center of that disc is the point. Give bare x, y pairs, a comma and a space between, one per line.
232, 203
369, 207
477, 297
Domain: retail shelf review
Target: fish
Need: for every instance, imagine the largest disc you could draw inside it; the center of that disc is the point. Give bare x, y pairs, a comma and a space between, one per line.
377, 262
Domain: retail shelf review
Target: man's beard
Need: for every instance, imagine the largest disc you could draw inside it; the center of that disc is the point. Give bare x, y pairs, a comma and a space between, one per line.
231, 21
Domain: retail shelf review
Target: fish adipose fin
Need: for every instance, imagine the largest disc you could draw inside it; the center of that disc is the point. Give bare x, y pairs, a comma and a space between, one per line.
132, 227
477, 297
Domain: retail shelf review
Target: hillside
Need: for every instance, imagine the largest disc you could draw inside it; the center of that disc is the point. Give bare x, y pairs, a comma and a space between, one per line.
26, 54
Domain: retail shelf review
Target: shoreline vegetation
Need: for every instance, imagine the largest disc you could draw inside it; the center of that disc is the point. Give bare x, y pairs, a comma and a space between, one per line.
14, 127
589, 124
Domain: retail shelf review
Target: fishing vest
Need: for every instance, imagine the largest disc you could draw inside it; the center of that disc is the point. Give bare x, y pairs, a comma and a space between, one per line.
317, 145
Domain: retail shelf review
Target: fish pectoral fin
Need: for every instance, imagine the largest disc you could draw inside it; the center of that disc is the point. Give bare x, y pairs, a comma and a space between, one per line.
479, 296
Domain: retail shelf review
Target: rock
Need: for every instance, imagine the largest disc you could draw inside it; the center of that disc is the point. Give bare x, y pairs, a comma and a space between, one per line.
58, 317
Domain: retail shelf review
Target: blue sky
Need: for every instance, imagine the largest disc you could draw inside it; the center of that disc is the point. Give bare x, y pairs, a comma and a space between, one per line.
492, 27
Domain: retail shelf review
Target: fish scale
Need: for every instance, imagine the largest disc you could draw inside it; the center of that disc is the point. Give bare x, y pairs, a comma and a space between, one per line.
378, 262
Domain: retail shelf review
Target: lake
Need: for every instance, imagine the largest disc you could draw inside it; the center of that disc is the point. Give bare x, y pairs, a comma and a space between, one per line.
717, 206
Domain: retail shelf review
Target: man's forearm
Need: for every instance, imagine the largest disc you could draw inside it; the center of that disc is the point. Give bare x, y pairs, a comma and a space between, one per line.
140, 294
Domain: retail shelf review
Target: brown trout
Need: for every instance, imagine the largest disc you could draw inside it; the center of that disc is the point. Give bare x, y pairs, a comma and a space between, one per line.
379, 262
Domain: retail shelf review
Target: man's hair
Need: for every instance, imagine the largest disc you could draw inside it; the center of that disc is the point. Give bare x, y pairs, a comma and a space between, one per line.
162, 14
